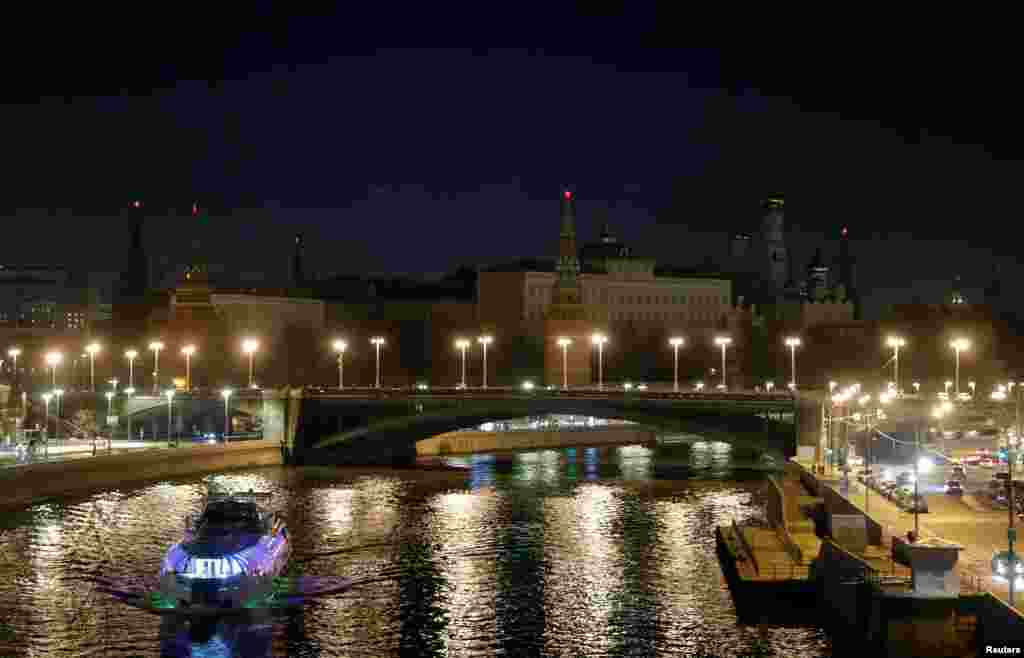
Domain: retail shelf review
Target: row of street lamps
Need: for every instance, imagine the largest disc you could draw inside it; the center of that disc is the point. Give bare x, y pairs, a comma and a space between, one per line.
54, 358
250, 346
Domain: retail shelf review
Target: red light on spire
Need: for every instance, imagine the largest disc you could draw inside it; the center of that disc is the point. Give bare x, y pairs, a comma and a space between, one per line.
195, 208
567, 194
136, 204
844, 231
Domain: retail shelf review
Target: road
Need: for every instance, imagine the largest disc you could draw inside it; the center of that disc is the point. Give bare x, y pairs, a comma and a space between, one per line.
966, 521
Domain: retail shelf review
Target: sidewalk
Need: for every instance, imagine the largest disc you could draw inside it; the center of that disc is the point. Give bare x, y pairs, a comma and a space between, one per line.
966, 529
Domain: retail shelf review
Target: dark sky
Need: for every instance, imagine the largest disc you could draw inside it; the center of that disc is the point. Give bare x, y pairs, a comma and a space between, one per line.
419, 159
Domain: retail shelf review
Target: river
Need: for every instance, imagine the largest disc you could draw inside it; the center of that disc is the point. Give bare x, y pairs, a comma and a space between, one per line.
571, 552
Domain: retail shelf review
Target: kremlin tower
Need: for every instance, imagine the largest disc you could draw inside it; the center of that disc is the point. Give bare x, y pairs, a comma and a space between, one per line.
566, 317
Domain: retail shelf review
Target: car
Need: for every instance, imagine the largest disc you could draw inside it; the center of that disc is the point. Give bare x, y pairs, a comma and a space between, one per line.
954, 488
1002, 476
904, 478
987, 462
972, 460
958, 471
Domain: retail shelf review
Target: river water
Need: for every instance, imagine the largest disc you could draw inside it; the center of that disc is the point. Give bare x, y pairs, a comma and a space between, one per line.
571, 552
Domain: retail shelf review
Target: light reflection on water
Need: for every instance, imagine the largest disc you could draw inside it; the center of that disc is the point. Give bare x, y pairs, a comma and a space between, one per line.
580, 551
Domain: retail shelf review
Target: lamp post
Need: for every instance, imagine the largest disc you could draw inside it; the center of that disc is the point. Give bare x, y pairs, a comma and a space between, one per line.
59, 393
599, 339
971, 386
156, 346
131, 355
564, 343
92, 349
867, 453
46, 422
250, 346
917, 387
110, 431
1011, 532
14, 353
484, 341
129, 392
226, 394
169, 393
53, 360
339, 346
958, 345
896, 342
769, 385
676, 342
378, 342
723, 342
188, 351
462, 345
792, 343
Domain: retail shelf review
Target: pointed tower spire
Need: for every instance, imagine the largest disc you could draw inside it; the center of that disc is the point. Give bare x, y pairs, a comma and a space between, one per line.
568, 266
298, 276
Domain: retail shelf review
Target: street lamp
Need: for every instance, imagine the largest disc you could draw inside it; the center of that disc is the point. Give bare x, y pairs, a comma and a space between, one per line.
188, 351
377, 342
130, 391
462, 345
250, 346
564, 343
946, 386
723, 342
676, 342
59, 392
46, 423
1011, 457
226, 394
110, 396
769, 385
599, 340
971, 385
92, 349
53, 360
484, 341
792, 343
959, 345
832, 387
917, 387
156, 346
339, 346
130, 355
14, 353
896, 342
169, 393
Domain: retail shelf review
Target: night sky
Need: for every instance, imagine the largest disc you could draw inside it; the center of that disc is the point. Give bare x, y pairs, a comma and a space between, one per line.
423, 159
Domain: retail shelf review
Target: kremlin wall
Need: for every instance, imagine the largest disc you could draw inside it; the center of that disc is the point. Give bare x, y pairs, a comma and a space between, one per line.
601, 286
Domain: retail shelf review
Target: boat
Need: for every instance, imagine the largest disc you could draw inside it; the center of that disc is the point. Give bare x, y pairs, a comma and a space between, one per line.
230, 555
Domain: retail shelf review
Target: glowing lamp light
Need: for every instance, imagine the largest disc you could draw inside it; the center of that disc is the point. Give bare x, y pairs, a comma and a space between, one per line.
567, 194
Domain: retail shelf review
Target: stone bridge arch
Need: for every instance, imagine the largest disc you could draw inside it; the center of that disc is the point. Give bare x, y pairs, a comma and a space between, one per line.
348, 432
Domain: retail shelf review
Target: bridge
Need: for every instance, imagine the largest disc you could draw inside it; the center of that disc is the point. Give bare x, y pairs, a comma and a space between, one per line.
317, 425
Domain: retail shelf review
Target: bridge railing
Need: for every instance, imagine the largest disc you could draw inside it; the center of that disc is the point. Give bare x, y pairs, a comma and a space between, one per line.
576, 392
